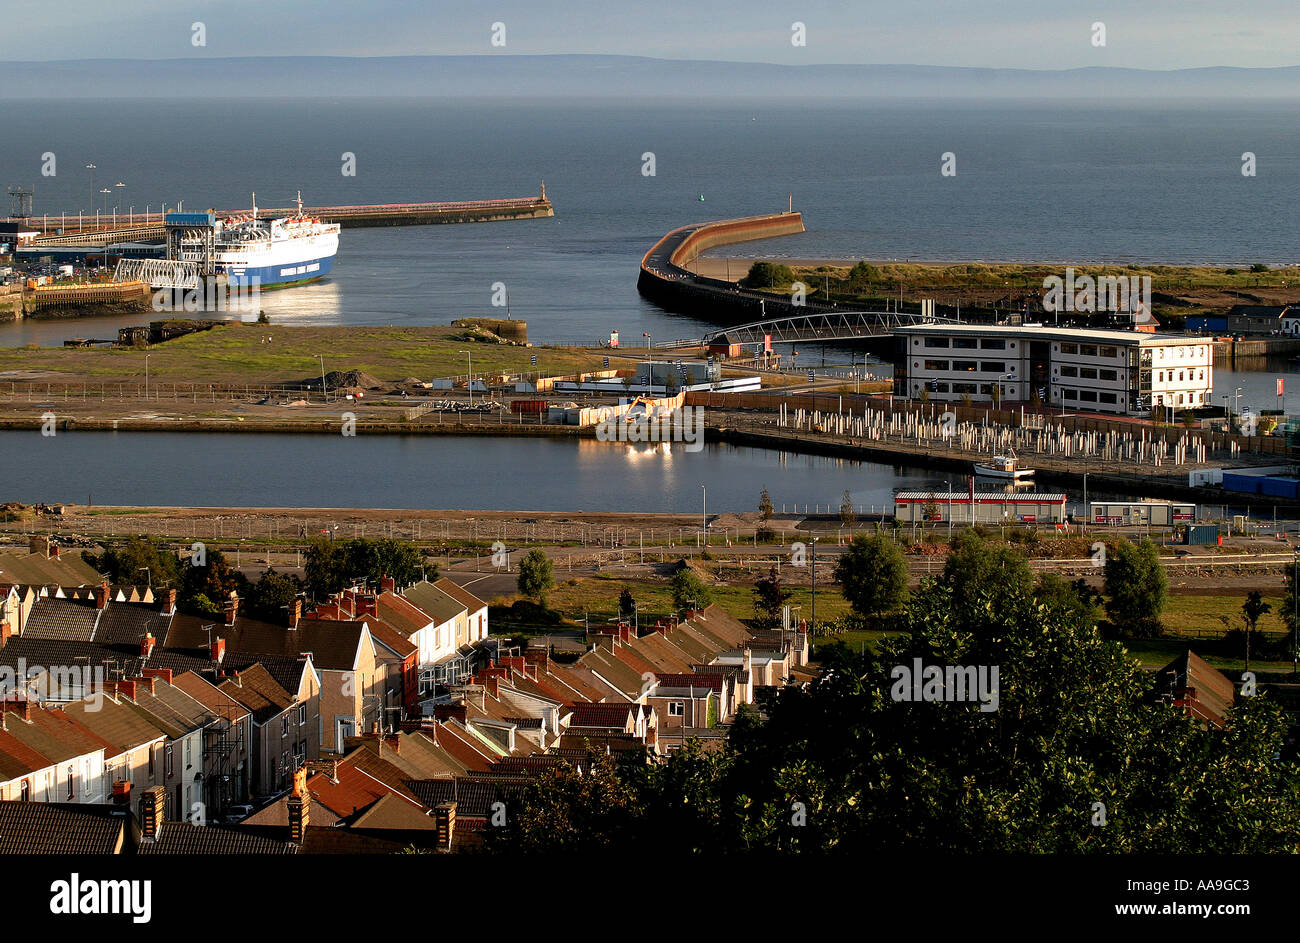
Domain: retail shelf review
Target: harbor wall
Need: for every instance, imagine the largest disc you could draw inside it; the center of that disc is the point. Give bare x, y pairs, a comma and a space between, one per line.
665, 280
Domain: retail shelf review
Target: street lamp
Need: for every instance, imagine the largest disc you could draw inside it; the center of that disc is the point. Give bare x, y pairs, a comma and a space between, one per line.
91, 168
812, 627
469, 379
146, 375
704, 515
323, 395
117, 200
105, 191
148, 575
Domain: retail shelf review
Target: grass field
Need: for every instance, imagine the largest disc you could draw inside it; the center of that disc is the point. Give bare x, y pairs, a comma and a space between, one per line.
238, 353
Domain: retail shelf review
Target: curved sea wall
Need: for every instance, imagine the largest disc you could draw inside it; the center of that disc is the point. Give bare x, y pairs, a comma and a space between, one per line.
665, 280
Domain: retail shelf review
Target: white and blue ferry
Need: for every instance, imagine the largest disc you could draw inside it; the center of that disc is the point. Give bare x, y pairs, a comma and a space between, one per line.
270, 253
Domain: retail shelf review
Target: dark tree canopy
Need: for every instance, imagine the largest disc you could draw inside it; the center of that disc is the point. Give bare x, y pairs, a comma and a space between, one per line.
332, 565
1136, 586
872, 574
1077, 757
536, 575
770, 597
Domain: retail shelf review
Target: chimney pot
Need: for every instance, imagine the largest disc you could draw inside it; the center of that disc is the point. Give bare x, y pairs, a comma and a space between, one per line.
146, 645
101, 595
169, 602
232, 609
295, 612
387, 584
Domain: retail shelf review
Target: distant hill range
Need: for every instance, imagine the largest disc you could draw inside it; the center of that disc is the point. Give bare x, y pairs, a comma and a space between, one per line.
510, 76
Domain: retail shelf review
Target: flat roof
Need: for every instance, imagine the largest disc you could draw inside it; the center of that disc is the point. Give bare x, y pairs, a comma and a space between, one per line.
1054, 333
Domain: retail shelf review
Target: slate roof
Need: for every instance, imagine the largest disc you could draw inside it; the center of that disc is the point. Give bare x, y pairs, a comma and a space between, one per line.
211, 697
182, 838
390, 638
66, 619
259, 692
605, 715
60, 828
120, 724
473, 796
334, 645
438, 605
463, 596
35, 568
402, 614
125, 623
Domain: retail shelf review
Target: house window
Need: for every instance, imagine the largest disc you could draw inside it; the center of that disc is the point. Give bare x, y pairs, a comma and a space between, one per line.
676, 709
26, 794
936, 342
189, 752
936, 365
302, 715
151, 763
284, 725
168, 763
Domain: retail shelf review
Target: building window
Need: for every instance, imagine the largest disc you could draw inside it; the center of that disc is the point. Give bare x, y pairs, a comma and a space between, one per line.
993, 343
1180, 376
189, 752
302, 715
966, 365
993, 366
936, 342
1088, 373
1108, 375
1106, 397
168, 764
26, 792
1069, 348
1087, 350
151, 763
936, 365
963, 387
284, 725
676, 709
965, 343
1110, 351
1069, 371
1202, 376
1088, 396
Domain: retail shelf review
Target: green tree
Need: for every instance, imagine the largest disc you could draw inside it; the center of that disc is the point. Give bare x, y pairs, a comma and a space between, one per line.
1075, 600
332, 565
765, 508
1137, 586
272, 594
626, 604
980, 572
137, 561
1074, 723
864, 272
872, 574
688, 589
536, 575
768, 275
770, 597
847, 515
214, 581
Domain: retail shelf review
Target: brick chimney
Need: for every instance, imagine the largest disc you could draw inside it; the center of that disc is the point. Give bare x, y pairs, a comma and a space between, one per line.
54, 551
147, 681
101, 596
38, 544
299, 807
444, 817
232, 608
387, 584
146, 645
20, 706
492, 684
164, 673
169, 602
122, 792
218, 650
540, 657
153, 802
295, 612
367, 605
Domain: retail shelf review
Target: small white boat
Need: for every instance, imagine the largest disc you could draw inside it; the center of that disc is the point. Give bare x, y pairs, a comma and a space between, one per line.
1006, 467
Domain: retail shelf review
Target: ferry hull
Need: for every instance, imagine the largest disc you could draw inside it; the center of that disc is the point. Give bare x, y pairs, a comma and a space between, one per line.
279, 276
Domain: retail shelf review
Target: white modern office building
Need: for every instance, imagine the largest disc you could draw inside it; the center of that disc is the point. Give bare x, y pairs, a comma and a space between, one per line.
1107, 371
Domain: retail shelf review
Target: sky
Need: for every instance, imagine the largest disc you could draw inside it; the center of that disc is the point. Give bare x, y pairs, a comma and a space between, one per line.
1027, 34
